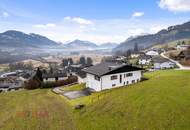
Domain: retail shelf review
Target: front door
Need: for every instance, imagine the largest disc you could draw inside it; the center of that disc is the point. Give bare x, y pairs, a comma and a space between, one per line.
120, 78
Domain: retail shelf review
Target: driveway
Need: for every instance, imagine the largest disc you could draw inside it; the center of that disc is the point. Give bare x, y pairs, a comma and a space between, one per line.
181, 67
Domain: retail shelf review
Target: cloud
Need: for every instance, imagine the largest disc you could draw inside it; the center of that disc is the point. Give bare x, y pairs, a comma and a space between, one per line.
175, 5
45, 26
79, 20
5, 14
138, 14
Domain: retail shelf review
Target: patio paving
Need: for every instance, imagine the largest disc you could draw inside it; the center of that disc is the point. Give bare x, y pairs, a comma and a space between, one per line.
77, 94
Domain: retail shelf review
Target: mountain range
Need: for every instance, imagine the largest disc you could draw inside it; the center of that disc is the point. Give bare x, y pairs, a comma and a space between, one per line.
164, 36
17, 39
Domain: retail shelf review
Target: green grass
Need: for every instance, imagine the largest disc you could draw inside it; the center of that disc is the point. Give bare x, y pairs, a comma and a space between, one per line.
160, 103
74, 87
34, 110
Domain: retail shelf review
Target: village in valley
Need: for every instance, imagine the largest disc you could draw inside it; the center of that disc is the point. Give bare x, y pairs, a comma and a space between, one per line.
122, 69
94, 65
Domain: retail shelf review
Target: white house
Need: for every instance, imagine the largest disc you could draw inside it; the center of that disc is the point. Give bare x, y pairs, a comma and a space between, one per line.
54, 77
162, 63
152, 53
144, 59
8, 83
111, 75
182, 47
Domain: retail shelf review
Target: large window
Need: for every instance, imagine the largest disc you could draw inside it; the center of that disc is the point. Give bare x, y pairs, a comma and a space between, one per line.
114, 77
97, 78
128, 74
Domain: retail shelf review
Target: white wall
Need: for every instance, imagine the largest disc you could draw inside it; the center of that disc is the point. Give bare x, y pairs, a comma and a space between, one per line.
91, 82
81, 80
106, 82
165, 65
144, 61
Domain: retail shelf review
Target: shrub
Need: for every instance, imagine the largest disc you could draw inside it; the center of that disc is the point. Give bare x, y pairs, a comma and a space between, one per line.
32, 84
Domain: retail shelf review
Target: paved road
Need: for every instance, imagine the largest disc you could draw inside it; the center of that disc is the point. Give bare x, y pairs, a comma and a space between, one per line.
181, 67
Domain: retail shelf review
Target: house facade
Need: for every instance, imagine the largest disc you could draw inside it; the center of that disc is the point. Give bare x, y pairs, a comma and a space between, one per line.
54, 77
184, 57
182, 47
162, 63
109, 75
144, 60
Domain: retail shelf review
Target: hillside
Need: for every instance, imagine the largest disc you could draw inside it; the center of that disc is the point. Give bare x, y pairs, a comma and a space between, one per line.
34, 110
170, 34
17, 39
172, 44
162, 102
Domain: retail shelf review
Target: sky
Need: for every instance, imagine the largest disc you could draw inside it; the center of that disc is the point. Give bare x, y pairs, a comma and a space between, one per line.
98, 21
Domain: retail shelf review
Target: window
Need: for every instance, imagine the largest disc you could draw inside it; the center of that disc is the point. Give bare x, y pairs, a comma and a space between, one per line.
97, 77
113, 85
129, 75
114, 77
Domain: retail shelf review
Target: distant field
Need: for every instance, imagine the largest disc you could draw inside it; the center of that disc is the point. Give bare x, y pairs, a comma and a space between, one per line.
160, 103
3, 67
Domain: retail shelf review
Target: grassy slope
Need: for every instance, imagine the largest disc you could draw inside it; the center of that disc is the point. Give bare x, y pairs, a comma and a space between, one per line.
34, 110
163, 102
74, 87
171, 44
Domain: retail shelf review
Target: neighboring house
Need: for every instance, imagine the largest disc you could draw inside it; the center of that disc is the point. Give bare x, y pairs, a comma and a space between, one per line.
111, 75
152, 53
182, 47
54, 76
144, 59
9, 83
162, 63
184, 56
137, 54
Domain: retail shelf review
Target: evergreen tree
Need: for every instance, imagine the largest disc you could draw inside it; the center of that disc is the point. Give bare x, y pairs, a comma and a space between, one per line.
89, 61
65, 62
82, 60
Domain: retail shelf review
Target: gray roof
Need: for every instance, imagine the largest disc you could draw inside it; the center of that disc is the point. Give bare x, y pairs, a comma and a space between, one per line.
108, 67
145, 57
49, 75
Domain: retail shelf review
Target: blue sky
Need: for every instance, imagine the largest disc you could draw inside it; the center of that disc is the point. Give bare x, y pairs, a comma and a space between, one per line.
94, 20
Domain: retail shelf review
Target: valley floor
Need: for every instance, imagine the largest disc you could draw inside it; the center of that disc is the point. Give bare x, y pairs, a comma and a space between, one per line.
160, 103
